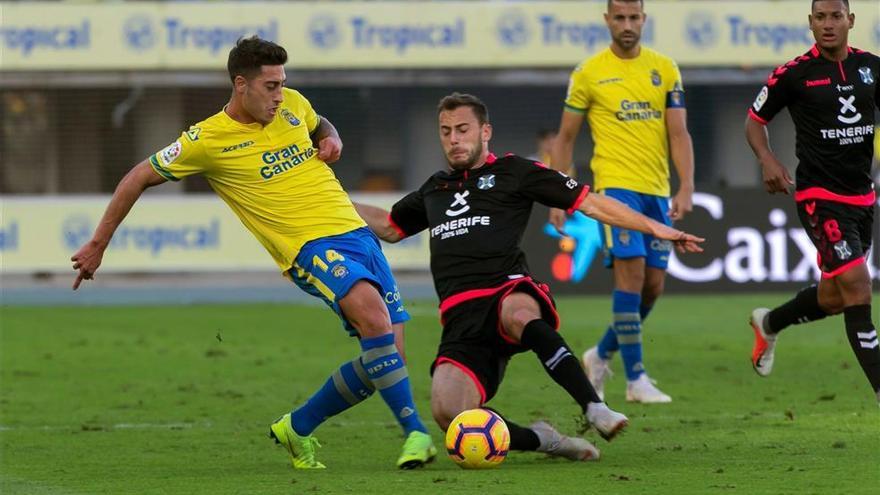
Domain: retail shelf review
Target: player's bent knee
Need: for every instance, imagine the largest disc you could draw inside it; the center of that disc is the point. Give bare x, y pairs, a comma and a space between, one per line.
443, 417
365, 310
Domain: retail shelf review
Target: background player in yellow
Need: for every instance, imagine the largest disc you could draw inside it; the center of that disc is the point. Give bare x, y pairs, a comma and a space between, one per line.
633, 98
258, 155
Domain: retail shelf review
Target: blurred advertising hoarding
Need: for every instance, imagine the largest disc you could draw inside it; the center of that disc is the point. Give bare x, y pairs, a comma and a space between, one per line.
754, 242
373, 35
160, 234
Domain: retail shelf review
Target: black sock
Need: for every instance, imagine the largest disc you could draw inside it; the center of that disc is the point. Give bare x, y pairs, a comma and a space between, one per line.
521, 438
863, 340
803, 308
559, 362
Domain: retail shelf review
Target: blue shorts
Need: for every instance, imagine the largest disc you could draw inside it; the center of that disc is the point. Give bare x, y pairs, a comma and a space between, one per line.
329, 267
624, 244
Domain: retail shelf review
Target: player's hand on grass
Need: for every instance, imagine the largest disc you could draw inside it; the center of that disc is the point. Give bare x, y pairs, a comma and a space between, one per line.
329, 149
776, 178
557, 219
682, 204
87, 260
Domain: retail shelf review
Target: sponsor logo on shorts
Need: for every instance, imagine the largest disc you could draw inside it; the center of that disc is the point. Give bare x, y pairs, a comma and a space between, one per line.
843, 250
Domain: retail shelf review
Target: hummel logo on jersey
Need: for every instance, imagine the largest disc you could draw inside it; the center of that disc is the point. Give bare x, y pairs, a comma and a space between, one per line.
865, 74
847, 106
459, 200
486, 182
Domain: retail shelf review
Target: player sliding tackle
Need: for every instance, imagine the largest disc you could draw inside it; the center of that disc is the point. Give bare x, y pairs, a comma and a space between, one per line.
491, 308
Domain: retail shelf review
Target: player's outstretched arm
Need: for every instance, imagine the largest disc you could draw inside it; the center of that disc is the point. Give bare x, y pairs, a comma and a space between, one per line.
329, 142
561, 156
378, 221
776, 178
88, 258
610, 211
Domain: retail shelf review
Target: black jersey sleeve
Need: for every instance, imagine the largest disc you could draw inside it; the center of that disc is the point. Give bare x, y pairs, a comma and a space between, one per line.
549, 187
773, 97
408, 216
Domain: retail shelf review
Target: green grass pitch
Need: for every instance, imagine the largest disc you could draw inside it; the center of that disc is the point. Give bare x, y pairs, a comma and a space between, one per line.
150, 400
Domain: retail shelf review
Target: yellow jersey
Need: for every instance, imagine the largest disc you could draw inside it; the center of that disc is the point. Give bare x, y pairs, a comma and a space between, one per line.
270, 176
625, 102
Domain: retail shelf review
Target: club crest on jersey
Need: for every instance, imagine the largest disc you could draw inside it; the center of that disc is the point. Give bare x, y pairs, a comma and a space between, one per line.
340, 271
656, 80
289, 117
865, 74
486, 182
623, 237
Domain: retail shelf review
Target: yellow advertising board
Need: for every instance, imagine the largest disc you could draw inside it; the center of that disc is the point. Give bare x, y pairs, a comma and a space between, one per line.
368, 34
39, 234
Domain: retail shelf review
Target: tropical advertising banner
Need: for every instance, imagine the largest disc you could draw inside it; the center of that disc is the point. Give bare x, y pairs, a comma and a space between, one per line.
369, 35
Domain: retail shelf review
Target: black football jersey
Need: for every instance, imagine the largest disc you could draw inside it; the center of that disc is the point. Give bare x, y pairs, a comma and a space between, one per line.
832, 105
476, 219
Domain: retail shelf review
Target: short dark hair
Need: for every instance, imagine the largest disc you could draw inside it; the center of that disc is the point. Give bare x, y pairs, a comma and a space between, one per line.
642, 2
455, 100
250, 54
845, 2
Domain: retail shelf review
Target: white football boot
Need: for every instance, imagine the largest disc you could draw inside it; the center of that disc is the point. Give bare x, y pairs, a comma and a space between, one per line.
643, 390
607, 422
558, 445
765, 343
597, 370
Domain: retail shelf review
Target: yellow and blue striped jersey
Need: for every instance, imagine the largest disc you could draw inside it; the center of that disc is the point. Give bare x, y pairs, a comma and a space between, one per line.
270, 176
625, 102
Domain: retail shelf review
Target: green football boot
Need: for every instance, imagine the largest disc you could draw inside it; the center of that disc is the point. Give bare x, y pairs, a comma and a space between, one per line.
418, 450
300, 449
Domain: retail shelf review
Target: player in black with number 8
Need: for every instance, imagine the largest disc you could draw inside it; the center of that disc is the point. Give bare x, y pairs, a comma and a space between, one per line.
831, 92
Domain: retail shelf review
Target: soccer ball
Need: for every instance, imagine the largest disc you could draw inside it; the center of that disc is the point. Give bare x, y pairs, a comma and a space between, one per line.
477, 439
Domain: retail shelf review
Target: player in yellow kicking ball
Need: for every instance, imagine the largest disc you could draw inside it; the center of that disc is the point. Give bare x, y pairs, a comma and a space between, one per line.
266, 154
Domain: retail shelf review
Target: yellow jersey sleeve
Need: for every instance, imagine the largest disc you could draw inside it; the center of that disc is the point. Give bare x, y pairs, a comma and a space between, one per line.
674, 86
185, 156
577, 98
301, 106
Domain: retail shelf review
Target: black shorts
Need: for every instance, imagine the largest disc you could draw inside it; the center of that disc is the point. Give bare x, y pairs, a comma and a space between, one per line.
841, 233
473, 339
